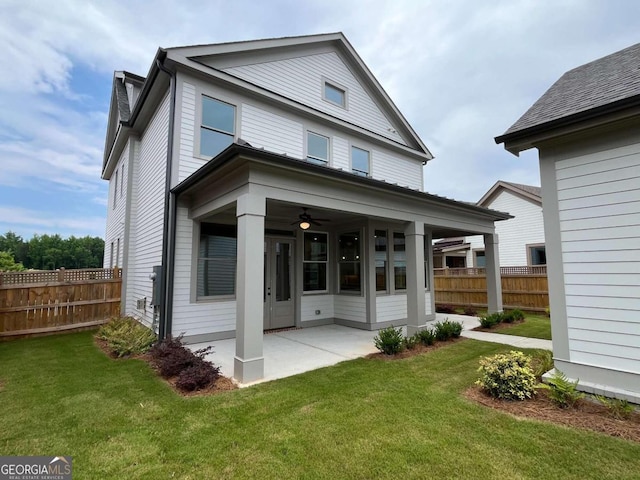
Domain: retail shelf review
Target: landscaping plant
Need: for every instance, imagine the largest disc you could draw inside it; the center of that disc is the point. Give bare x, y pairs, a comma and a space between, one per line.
427, 337
507, 376
411, 342
618, 408
447, 330
491, 320
562, 391
541, 362
513, 316
389, 340
443, 308
471, 311
126, 336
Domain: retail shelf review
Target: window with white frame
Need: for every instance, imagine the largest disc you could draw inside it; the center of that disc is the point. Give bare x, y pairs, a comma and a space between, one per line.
537, 254
334, 94
314, 262
217, 129
349, 262
317, 148
217, 254
360, 161
381, 260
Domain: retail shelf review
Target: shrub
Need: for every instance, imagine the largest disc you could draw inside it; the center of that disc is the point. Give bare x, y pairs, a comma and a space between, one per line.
126, 336
513, 316
541, 362
389, 340
507, 376
445, 308
411, 342
547, 311
471, 311
427, 337
562, 391
618, 409
198, 376
491, 320
447, 330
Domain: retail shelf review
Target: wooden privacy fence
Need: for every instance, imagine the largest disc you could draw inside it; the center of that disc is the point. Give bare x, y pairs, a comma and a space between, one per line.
527, 292
41, 302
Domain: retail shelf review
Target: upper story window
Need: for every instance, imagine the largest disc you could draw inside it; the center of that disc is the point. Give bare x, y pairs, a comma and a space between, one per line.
218, 126
317, 149
332, 93
360, 164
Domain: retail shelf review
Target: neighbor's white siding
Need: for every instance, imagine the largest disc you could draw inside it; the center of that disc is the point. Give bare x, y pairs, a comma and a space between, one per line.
116, 214
599, 209
391, 307
347, 307
300, 79
311, 303
195, 318
526, 228
147, 222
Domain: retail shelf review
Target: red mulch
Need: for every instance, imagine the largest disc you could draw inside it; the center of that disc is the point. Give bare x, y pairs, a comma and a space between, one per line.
417, 350
586, 415
222, 384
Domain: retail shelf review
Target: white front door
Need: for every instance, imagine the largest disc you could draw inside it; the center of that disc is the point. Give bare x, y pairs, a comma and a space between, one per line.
279, 305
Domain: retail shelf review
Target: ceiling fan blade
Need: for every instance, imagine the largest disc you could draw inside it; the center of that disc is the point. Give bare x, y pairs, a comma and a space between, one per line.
315, 222
322, 219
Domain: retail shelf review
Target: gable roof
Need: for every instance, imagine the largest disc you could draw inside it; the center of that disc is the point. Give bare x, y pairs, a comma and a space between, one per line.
602, 86
529, 192
217, 60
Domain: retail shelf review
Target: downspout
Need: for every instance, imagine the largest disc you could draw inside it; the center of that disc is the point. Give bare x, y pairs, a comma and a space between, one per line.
169, 227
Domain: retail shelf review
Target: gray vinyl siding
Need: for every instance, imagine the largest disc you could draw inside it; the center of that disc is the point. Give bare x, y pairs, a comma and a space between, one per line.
427, 303
347, 307
115, 216
188, 124
301, 79
391, 307
272, 132
340, 157
395, 169
311, 303
147, 224
526, 228
599, 205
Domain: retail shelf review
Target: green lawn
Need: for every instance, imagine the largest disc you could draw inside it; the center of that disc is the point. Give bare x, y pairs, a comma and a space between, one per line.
360, 419
534, 326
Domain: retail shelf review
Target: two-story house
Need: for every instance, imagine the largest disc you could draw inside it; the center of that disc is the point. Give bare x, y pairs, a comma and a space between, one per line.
270, 184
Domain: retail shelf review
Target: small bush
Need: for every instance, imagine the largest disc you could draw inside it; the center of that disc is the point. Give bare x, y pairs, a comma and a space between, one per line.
447, 330
491, 320
198, 376
427, 337
389, 340
445, 308
411, 342
126, 336
618, 409
562, 391
541, 362
507, 376
472, 312
547, 312
513, 316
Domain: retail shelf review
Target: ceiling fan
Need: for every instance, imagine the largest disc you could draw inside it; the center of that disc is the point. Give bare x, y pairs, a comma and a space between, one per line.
305, 220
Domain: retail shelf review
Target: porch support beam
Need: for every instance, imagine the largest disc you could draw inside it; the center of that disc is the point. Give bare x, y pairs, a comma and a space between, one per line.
494, 282
431, 314
370, 272
249, 359
414, 246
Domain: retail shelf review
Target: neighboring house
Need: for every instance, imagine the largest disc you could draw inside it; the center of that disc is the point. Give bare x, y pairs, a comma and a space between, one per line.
586, 128
271, 184
521, 237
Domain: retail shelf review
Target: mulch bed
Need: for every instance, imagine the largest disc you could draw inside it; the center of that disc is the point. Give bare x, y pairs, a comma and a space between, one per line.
586, 415
497, 328
222, 384
418, 350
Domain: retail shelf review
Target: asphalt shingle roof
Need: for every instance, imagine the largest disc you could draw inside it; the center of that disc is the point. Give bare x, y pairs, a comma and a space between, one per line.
596, 84
537, 191
123, 100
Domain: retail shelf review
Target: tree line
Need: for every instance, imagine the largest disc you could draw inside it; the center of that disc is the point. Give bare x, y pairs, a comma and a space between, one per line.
50, 252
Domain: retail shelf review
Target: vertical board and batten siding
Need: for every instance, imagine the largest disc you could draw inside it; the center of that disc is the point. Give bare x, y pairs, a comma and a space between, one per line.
393, 169
300, 79
272, 132
347, 307
195, 318
149, 219
391, 307
116, 216
599, 210
311, 303
526, 228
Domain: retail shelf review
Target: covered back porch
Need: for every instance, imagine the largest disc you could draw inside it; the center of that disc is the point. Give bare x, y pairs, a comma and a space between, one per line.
364, 260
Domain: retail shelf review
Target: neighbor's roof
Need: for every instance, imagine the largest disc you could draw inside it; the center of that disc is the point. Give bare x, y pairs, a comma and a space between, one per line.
608, 83
531, 192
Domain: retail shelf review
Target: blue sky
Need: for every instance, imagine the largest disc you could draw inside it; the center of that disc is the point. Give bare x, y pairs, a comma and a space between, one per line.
461, 72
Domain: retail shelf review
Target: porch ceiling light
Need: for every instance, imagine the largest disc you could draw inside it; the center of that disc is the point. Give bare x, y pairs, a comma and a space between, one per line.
304, 225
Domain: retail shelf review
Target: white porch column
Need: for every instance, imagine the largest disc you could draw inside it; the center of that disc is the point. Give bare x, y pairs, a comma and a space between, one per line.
249, 360
494, 282
414, 247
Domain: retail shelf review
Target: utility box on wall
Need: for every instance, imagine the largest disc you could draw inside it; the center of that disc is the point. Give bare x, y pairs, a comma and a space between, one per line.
156, 292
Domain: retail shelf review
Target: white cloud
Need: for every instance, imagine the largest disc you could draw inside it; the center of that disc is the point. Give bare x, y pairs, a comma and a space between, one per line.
26, 220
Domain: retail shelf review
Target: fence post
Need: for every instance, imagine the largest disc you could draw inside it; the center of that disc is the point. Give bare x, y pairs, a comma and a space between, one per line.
61, 274
116, 273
